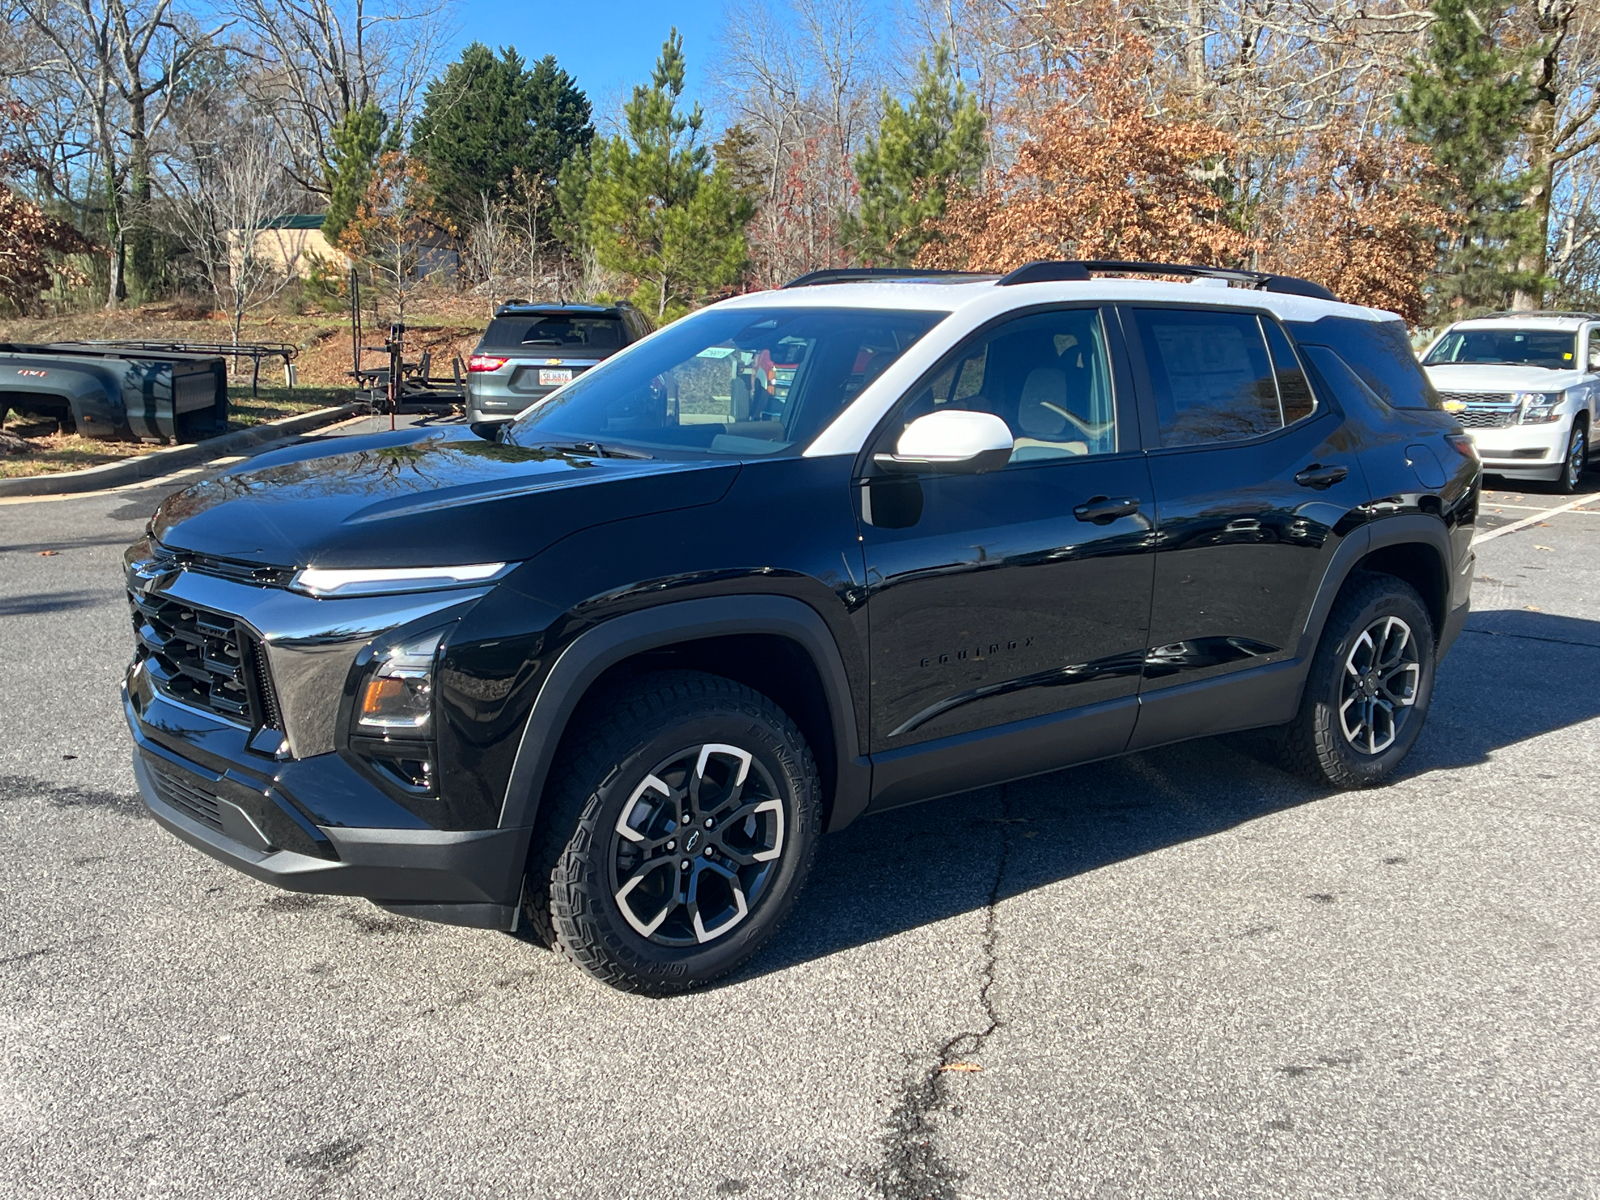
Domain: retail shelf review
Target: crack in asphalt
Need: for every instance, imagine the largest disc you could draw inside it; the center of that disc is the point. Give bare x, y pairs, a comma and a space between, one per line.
912, 1167
1529, 637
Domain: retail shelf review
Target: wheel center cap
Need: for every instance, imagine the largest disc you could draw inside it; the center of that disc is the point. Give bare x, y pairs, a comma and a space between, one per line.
691, 842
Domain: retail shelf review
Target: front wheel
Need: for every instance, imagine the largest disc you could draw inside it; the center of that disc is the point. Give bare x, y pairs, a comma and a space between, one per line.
1577, 459
681, 825
1369, 687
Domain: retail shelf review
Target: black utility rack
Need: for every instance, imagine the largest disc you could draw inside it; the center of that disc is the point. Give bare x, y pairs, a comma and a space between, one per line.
399, 386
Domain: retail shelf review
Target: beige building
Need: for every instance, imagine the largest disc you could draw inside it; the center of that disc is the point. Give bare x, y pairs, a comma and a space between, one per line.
295, 242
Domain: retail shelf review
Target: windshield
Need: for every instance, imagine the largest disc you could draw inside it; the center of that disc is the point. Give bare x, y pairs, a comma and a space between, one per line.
1552, 349
553, 329
735, 381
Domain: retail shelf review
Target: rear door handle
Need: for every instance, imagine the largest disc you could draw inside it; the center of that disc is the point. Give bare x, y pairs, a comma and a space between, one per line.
1319, 477
1102, 510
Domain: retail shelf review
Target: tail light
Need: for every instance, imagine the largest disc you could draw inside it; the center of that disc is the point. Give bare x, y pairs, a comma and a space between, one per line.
486, 362
1463, 445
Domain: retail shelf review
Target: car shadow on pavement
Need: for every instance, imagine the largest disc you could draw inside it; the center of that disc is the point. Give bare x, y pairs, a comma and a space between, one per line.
49, 602
1511, 676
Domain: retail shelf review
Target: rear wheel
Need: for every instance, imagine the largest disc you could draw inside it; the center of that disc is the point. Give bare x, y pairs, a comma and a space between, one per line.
1577, 458
680, 828
1369, 687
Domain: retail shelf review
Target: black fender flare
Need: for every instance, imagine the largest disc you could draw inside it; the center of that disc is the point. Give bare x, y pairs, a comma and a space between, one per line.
1397, 530
595, 650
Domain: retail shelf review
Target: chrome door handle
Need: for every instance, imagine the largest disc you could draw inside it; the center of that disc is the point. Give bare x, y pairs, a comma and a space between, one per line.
1319, 476
1102, 510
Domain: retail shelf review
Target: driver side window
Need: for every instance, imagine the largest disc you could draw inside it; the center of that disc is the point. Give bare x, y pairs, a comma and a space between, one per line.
1047, 376
1594, 349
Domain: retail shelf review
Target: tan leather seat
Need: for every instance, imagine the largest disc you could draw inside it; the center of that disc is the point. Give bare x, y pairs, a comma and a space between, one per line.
1044, 425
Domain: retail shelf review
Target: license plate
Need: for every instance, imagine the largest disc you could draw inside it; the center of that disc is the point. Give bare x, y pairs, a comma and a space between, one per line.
550, 377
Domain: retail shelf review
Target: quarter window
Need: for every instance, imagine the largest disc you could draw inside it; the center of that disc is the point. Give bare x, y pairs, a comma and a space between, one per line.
1294, 393
1047, 376
1211, 373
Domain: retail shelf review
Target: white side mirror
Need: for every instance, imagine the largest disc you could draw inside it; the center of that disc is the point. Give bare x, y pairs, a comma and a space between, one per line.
955, 442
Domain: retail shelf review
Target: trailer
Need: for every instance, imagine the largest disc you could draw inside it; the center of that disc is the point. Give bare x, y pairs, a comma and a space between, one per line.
118, 392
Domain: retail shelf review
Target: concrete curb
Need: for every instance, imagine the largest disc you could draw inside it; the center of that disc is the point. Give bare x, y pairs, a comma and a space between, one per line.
175, 458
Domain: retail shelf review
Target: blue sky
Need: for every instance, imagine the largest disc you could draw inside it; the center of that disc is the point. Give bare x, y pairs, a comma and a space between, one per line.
607, 45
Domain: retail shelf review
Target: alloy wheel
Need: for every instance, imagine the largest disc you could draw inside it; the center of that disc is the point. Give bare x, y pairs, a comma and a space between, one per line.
696, 845
1379, 685
1577, 458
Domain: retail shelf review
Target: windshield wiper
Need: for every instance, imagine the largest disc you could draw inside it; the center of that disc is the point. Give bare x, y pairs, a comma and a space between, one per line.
594, 449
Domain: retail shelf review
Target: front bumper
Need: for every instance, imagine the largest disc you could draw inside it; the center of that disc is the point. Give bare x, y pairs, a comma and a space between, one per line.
460, 877
1524, 451
292, 808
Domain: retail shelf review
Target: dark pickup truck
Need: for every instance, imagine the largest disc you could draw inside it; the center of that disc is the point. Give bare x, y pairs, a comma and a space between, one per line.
114, 392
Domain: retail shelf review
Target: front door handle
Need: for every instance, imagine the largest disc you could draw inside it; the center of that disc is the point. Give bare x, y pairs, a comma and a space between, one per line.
1103, 510
1319, 476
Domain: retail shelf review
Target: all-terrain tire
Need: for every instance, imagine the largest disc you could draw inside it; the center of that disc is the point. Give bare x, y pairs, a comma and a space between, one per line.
620, 739
1315, 744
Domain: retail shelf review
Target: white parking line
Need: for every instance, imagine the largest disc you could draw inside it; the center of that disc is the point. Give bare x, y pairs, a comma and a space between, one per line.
1533, 520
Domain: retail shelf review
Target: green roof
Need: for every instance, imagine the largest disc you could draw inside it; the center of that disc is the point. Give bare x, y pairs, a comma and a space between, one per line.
293, 221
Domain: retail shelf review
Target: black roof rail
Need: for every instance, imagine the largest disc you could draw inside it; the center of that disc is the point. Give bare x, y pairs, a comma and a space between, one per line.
867, 274
1077, 271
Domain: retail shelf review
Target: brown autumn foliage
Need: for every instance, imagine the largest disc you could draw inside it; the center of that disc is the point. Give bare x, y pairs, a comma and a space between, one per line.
1114, 171
1362, 223
29, 238
1099, 176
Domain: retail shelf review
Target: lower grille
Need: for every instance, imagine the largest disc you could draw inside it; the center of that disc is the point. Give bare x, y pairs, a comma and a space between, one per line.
185, 796
1487, 418
204, 659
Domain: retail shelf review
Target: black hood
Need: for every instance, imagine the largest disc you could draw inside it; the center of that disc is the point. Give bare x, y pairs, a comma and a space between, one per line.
422, 498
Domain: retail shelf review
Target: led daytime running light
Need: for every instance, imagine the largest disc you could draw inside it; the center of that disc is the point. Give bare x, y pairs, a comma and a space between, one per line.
377, 581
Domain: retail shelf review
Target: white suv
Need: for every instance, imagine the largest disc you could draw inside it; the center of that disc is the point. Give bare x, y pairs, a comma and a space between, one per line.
1525, 386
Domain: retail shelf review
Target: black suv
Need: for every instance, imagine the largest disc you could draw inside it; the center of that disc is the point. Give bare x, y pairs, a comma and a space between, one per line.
529, 350
606, 675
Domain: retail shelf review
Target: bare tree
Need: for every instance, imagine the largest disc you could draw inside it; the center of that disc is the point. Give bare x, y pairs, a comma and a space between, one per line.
224, 206
321, 60
1563, 122
490, 245
122, 60
802, 76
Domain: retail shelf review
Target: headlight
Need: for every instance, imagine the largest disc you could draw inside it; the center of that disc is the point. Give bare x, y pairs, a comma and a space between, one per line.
1539, 406
324, 582
398, 693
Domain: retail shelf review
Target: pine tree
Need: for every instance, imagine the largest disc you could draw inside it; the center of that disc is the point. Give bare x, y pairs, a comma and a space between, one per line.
921, 152
357, 143
488, 122
1465, 102
654, 208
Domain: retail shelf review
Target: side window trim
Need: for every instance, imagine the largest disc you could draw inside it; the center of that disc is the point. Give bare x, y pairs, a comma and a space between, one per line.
1123, 388
1149, 418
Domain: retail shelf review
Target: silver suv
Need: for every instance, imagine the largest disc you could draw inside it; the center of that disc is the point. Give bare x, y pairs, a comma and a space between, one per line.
529, 350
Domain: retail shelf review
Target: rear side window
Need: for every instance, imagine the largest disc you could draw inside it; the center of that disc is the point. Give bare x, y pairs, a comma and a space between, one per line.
1211, 373
560, 331
1379, 352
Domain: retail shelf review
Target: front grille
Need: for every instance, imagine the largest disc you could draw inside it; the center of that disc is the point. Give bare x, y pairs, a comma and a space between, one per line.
226, 568
1487, 418
1475, 397
185, 796
204, 659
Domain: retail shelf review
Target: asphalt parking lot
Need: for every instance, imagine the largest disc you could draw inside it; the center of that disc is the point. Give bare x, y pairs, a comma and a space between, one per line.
1182, 973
